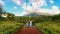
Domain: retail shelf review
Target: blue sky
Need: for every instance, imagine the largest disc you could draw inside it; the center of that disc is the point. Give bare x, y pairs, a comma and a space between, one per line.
20, 7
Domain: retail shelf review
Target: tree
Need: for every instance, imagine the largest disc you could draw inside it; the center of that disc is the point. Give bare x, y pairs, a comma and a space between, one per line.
0, 11
56, 18
10, 16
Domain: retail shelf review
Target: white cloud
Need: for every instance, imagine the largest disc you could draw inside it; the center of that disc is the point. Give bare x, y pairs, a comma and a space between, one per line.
29, 8
53, 11
36, 4
14, 7
23, 13
2, 2
51, 1
17, 2
24, 6
42, 2
55, 8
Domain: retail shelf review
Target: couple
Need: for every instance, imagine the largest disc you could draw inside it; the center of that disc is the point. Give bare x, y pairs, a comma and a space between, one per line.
28, 23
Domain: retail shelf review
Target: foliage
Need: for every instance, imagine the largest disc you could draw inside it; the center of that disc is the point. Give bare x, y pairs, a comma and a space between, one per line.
49, 27
9, 27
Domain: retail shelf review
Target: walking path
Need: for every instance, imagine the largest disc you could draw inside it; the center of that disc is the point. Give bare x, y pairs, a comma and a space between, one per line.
29, 30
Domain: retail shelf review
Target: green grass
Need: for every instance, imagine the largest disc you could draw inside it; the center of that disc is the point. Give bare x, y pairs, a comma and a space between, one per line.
49, 27
8, 27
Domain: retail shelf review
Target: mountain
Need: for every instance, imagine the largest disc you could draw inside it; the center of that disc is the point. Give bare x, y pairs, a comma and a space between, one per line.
32, 14
37, 14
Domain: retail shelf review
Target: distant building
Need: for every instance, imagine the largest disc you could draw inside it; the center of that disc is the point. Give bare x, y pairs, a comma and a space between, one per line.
4, 15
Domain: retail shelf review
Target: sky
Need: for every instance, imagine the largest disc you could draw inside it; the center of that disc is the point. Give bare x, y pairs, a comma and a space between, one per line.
23, 7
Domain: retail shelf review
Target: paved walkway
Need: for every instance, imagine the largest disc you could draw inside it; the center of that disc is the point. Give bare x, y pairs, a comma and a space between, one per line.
29, 30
